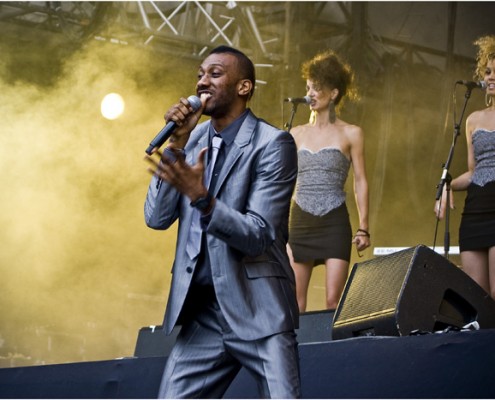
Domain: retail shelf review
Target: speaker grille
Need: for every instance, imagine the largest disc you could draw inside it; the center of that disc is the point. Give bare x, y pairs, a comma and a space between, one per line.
376, 287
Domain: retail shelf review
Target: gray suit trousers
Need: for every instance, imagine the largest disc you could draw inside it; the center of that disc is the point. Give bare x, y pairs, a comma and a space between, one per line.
208, 355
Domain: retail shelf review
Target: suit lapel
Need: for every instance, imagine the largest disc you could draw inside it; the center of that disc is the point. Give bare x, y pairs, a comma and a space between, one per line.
202, 141
192, 158
242, 139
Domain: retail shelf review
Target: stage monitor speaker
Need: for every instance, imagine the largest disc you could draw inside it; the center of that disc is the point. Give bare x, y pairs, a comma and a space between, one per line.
153, 342
315, 326
411, 290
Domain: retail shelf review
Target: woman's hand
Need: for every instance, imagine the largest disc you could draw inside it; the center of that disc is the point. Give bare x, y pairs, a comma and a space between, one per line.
362, 240
441, 204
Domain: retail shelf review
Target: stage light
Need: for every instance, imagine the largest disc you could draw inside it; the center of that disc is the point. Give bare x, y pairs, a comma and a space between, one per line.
112, 106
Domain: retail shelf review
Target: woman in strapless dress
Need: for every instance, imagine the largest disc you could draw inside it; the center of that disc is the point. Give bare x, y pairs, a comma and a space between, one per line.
477, 227
319, 227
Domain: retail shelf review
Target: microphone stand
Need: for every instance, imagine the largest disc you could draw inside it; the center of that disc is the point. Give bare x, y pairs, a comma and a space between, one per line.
288, 125
446, 178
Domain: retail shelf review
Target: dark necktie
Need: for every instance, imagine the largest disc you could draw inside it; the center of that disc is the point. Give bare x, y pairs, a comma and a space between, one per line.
193, 246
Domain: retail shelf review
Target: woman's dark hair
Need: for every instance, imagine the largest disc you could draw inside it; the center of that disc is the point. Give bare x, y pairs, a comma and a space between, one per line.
328, 70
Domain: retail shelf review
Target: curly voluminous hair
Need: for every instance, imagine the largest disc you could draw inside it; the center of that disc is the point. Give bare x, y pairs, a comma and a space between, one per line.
328, 70
486, 53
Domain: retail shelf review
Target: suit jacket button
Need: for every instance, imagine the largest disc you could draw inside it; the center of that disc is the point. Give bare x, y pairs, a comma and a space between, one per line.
189, 270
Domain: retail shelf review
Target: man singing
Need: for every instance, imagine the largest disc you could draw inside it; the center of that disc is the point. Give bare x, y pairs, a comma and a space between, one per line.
229, 181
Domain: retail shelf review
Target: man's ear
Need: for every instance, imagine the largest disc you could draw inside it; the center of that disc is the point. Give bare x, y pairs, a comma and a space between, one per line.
244, 87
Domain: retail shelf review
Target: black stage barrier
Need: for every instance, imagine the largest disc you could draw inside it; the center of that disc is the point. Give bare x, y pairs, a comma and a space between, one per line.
441, 365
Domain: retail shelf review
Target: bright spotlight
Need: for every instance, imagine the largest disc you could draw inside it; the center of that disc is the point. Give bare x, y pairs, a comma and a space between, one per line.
112, 106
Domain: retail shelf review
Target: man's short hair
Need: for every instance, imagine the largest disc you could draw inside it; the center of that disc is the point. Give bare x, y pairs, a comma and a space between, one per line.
245, 64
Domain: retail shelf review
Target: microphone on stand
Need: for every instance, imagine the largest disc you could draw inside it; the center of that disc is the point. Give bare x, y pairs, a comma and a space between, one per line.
298, 100
473, 85
168, 129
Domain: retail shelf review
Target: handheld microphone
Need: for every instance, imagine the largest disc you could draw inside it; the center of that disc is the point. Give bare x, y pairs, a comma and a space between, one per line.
168, 129
298, 100
473, 85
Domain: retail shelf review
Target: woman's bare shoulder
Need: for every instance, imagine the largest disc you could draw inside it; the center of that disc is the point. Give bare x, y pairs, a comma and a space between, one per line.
353, 131
300, 129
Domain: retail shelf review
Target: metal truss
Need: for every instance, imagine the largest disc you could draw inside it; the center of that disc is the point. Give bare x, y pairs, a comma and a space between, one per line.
274, 32
189, 27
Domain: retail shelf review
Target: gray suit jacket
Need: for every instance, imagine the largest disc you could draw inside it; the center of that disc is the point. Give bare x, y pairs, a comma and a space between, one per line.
247, 233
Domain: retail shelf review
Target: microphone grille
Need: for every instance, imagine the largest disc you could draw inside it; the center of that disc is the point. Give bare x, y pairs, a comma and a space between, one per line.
483, 85
195, 102
308, 99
